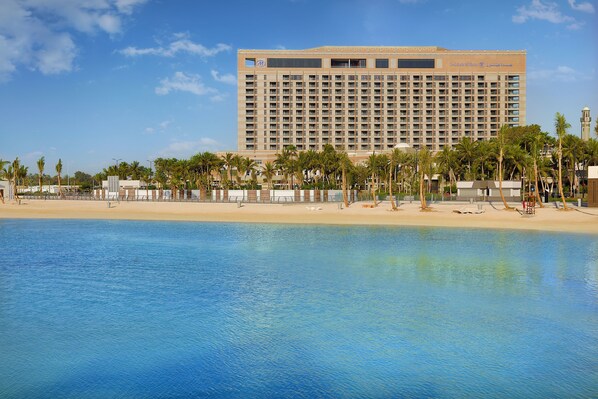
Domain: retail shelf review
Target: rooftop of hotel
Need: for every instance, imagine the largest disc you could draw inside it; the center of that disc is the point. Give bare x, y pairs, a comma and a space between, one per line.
378, 49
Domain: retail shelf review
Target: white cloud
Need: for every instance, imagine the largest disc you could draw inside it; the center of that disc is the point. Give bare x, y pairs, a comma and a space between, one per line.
218, 98
126, 6
181, 82
227, 78
33, 156
182, 44
38, 34
180, 149
560, 74
583, 7
544, 12
164, 124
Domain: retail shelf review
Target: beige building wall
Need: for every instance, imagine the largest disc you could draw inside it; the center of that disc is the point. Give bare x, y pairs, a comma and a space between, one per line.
366, 99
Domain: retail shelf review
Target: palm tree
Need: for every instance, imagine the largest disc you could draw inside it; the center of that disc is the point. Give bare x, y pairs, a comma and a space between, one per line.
561, 127
374, 165
228, 161
425, 167
283, 162
345, 164
534, 141
241, 170
446, 160
501, 144
13, 174
250, 167
467, 154
3, 173
134, 170
573, 153
269, 171
40, 166
58, 172
394, 161
237, 162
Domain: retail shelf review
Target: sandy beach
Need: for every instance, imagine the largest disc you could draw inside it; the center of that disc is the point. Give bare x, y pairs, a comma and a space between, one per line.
584, 220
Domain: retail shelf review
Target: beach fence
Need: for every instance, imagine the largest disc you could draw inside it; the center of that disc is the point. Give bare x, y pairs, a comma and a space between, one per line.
225, 195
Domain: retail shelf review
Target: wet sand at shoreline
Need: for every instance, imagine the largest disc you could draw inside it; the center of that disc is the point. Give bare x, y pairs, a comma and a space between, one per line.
441, 215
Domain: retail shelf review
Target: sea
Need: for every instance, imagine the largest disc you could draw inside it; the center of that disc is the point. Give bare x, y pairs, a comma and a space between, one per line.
131, 309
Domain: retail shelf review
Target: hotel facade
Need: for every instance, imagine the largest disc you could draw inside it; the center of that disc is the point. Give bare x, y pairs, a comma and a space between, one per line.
372, 99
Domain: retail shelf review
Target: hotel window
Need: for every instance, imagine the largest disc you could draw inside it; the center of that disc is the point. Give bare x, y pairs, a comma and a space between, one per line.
294, 63
416, 63
382, 63
344, 63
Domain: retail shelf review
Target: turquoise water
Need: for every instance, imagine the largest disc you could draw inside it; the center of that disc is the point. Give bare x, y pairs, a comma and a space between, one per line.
111, 309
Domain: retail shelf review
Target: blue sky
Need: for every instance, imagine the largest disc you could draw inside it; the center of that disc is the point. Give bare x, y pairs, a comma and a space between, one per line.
90, 81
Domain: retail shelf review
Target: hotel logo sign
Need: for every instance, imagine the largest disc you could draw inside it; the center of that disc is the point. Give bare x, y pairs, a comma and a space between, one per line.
480, 65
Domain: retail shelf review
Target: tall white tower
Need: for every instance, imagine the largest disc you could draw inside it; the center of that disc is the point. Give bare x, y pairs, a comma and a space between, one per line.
585, 124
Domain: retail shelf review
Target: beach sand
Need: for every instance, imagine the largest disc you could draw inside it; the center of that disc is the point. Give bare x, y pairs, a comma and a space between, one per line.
584, 220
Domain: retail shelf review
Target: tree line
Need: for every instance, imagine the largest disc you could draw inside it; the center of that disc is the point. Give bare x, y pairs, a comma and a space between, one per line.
516, 153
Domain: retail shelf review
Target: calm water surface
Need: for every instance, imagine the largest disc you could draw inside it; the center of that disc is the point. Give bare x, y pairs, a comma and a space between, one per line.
111, 309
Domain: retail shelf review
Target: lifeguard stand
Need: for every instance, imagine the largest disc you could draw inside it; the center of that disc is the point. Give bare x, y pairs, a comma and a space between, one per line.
530, 205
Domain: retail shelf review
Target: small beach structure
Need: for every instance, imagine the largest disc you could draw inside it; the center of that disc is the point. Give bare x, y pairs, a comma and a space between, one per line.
6, 193
487, 190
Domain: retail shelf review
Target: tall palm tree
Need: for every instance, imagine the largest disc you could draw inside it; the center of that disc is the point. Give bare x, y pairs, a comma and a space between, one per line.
573, 153
561, 126
374, 166
134, 170
269, 171
13, 175
345, 164
3, 174
283, 162
228, 161
467, 154
250, 167
534, 142
446, 160
40, 167
236, 163
394, 161
424, 164
59, 172
241, 170
501, 144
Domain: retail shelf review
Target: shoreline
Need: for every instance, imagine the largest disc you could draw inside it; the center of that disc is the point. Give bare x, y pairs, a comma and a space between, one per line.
547, 219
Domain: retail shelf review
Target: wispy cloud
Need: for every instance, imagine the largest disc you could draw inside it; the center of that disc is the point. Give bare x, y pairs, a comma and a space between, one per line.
218, 98
180, 81
161, 127
559, 74
227, 78
182, 148
583, 7
38, 35
181, 44
544, 12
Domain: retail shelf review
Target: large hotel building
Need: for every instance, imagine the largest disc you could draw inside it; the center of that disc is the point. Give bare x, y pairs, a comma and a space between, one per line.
366, 99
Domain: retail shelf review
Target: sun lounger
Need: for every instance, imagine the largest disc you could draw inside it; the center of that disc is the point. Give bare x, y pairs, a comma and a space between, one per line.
469, 210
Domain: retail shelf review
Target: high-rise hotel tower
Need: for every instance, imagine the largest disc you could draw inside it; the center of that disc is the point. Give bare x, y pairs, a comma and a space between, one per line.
366, 99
